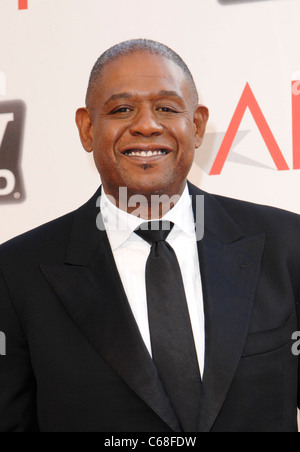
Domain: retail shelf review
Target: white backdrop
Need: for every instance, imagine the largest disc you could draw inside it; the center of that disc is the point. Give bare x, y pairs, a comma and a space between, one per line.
48, 50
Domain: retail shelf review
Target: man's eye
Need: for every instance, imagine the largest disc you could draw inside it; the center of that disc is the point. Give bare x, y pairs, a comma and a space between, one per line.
166, 110
121, 110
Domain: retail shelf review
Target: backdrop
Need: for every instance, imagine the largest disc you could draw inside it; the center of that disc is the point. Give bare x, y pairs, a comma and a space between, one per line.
245, 59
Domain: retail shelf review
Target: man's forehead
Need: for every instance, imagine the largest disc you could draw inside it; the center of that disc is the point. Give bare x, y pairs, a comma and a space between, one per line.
143, 74
144, 65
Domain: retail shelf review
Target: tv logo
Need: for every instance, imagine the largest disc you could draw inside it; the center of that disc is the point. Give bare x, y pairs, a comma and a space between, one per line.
12, 118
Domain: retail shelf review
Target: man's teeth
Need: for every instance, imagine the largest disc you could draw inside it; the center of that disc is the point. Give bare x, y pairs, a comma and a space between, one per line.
139, 153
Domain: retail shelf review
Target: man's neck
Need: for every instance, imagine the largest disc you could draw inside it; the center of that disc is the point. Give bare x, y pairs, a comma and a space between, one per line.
146, 207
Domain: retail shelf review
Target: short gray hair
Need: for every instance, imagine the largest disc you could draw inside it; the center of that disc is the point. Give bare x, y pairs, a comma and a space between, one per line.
132, 46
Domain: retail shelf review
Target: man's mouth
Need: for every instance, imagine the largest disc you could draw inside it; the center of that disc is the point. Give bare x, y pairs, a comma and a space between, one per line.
141, 153
149, 151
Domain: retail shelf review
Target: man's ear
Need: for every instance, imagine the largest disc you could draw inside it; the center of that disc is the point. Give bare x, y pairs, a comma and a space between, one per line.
85, 126
201, 117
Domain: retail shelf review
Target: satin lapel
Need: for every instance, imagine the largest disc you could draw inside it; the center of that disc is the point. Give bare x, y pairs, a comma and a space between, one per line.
230, 266
94, 298
230, 276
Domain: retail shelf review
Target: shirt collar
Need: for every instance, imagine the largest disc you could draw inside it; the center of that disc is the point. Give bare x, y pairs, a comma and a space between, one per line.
120, 225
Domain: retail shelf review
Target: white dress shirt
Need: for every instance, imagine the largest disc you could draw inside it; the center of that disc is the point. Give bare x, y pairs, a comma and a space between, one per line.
131, 253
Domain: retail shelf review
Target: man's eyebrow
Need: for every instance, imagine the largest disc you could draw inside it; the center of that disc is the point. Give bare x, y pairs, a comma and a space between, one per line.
170, 94
163, 93
119, 96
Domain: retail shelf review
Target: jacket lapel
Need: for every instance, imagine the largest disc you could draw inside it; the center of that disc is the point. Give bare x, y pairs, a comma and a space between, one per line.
90, 288
230, 266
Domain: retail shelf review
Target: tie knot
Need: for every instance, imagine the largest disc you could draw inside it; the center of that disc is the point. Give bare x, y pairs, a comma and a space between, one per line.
154, 231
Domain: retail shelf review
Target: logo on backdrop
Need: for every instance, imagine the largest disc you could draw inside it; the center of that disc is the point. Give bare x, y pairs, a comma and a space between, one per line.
12, 118
23, 4
219, 147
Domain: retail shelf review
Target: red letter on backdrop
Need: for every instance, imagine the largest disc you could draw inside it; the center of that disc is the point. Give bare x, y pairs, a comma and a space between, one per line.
23, 4
248, 100
296, 123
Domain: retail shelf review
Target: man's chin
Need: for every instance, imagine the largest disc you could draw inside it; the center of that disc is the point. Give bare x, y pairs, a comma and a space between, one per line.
152, 187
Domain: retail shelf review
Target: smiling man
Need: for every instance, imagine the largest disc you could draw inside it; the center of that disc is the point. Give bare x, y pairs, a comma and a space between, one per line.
122, 320
142, 120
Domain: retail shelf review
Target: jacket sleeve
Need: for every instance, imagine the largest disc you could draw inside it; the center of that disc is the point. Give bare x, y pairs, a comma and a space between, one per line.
17, 384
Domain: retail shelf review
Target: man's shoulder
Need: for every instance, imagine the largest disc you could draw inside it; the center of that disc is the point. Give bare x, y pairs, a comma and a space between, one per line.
255, 218
49, 239
249, 212
250, 216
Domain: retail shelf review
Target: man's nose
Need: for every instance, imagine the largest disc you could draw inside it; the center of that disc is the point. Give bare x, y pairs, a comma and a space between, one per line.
146, 124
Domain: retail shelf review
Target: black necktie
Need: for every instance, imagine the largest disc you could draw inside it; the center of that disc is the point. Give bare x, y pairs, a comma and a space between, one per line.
172, 339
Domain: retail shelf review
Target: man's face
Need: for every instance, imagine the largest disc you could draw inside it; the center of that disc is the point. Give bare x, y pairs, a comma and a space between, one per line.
143, 126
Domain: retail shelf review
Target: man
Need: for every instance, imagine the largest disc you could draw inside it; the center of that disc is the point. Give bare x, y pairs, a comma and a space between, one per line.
117, 325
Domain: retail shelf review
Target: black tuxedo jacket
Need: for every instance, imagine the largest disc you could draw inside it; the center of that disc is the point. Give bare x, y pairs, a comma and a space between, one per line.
76, 362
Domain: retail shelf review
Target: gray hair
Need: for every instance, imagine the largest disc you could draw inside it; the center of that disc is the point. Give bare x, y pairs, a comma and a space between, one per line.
132, 46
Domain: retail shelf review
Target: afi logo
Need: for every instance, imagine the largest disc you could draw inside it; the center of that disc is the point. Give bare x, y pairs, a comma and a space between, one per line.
23, 4
248, 100
12, 116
